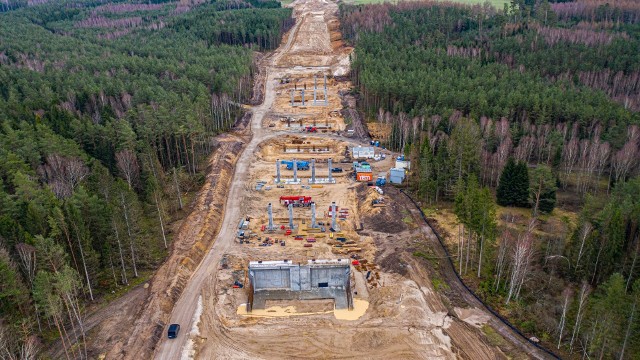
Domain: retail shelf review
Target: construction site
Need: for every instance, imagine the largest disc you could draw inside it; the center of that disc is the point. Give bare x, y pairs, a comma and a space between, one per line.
310, 252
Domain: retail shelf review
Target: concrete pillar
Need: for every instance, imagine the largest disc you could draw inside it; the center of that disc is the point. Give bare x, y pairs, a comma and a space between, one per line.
278, 171
290, 216
330, 176
326, 101
292, 97
270, 212
313, 215
313, 171
302, 97
333, 216
315, 89
295, 170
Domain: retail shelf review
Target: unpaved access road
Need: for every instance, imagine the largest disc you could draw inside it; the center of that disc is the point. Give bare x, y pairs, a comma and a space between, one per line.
406, 318
184, 309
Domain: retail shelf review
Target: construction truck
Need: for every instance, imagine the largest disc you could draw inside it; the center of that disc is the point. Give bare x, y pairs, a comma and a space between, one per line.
296, 201
302, 165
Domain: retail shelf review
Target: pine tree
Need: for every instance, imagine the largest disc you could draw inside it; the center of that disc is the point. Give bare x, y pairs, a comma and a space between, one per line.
513, 189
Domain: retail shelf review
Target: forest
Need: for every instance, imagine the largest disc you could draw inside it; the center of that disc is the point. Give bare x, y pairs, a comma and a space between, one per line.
522, 127
108, 113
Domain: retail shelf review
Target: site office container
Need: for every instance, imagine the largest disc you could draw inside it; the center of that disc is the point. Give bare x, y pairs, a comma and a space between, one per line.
364, 176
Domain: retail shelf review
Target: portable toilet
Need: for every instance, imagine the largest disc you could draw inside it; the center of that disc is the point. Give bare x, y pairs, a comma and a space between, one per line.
396, 175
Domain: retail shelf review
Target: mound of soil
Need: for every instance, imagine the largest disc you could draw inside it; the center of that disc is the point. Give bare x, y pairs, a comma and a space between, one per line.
386, 219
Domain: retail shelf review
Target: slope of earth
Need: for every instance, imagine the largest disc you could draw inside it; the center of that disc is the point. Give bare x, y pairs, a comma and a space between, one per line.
405, 318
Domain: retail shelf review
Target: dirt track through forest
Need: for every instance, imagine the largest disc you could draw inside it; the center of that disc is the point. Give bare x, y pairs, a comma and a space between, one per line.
406, 317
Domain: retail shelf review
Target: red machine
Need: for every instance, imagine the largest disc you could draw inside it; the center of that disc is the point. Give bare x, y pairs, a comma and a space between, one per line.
297, 201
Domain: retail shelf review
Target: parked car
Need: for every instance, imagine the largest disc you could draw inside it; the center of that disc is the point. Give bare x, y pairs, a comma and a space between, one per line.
174, 329
336, 170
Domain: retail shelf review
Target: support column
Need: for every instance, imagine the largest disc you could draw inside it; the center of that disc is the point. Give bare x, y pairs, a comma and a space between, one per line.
291, 216
326, 100
330, 175
295, 170
278, 171
313, 215
302, 97
315, 89
270, 212
313, 171
292, 91
333, 216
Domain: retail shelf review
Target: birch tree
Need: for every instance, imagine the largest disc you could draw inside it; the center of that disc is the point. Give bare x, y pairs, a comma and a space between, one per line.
521, 257
585, 290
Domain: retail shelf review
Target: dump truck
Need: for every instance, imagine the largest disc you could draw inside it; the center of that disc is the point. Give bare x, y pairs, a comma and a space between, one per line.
296, 201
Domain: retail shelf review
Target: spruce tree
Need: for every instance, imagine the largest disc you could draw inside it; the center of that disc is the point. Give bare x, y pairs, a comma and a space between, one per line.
513, 189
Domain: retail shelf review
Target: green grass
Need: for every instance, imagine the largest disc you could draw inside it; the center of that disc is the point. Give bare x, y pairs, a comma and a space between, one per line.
493, 337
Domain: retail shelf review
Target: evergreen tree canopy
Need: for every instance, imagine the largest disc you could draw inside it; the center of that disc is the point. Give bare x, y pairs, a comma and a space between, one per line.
513, 189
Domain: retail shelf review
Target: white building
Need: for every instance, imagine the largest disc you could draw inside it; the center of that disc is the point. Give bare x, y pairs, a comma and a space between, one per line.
403, 164
363, 152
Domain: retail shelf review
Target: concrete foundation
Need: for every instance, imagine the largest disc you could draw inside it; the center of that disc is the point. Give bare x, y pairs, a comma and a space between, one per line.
322, 181
284, 280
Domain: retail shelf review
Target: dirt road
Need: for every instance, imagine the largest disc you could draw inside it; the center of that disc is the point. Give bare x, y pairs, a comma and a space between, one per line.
184, 309
406, 317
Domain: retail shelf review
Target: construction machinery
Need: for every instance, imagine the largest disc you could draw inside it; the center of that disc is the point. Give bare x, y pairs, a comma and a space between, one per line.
302, 165
296, 201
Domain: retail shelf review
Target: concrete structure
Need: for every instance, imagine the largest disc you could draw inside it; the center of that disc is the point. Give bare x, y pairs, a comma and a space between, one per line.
295, 170
278, 171
315, 180
396, 176
334, 217
363, 152
313, 216
284, 280
270, 212
403, 164
290, 216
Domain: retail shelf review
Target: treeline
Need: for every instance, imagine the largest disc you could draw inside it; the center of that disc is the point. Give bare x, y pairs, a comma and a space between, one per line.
539, 108
100, 139
262, 27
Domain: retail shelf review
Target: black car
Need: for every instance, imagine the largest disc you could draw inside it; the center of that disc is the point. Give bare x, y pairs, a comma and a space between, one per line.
336, 170
174, 329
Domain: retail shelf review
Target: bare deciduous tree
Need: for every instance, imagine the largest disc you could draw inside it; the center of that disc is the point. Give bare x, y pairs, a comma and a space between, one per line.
127, 163
63, 174
570, 156
624, 160
563, 317
582, 300
583, 235
501, 259
521, 257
